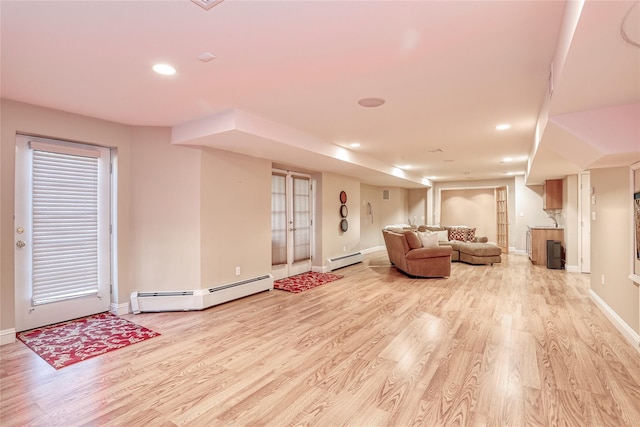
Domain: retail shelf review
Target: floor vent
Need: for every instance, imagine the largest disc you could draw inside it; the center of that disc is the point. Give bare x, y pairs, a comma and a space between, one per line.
345, 260
157, 301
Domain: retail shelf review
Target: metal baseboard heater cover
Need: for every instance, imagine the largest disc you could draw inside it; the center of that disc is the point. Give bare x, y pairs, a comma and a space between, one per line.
345, 260
199, 299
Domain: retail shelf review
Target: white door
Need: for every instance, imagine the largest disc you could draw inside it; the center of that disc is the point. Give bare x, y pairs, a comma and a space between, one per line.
585, 222
291, 224
61, 229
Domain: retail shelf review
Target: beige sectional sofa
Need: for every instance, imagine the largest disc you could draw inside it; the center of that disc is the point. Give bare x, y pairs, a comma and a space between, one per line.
465, 245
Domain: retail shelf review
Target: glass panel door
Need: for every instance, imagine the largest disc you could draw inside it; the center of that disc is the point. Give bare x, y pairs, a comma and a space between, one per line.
291, 224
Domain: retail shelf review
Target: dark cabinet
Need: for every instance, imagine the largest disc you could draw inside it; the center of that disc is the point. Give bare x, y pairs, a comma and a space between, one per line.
552, 194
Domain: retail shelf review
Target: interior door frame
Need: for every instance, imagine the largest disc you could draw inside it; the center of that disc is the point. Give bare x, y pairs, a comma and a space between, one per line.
41, 313
291, 268
584, 232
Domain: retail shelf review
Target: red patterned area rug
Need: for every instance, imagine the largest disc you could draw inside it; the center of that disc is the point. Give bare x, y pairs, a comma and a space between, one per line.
64, 344
305, 281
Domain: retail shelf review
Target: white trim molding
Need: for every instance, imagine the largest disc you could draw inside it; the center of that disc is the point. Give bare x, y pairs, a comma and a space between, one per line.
634, 278
120, 309
7, 336
629, 334
572, 268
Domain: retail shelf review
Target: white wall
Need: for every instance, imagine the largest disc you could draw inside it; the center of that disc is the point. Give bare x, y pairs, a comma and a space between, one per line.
335, 243
417, 202
473, 207
511, 195
611, 246
165, 212
235, 219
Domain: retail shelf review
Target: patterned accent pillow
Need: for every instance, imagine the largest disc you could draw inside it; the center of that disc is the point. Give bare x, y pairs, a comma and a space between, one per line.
458, 233
471, 234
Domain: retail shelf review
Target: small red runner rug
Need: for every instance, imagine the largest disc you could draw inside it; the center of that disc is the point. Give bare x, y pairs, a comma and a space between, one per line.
66, 343
305, 281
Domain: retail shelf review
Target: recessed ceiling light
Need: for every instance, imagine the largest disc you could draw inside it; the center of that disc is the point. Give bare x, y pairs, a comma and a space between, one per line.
371, 102
164, 69
507, 159
503, 126
405, 167
354, 144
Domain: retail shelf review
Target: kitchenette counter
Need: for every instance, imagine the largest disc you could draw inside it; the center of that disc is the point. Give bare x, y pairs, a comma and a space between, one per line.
537, 237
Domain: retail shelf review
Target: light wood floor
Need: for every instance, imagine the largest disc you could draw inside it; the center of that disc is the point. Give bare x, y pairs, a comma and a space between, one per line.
511, 344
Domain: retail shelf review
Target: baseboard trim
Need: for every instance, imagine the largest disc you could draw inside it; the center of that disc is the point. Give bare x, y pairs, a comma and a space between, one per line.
320, 269
629, 334
572, 268
373, 249
120, 309
7, 336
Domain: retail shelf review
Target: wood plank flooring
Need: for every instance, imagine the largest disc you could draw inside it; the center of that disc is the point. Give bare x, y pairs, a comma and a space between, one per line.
504, 345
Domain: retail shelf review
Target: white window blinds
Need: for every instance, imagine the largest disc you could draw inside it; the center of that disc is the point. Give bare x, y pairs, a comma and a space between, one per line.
65, 223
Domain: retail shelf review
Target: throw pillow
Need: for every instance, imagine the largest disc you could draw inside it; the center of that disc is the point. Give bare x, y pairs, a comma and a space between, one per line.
428, 239
443, 235
412, 239
471, 234
458, 233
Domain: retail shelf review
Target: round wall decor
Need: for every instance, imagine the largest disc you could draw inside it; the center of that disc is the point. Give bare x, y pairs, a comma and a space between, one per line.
343, 197
344, 211
344, 225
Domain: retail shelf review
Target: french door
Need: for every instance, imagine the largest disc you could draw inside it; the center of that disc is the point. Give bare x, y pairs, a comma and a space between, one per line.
291, 224
502, 219
62, 231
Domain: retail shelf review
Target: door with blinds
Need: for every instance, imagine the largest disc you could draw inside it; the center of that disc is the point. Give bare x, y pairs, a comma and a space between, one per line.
62, 231
502, 219
291, 224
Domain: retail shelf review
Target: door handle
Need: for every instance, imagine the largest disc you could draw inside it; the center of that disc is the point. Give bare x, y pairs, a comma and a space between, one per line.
21, 244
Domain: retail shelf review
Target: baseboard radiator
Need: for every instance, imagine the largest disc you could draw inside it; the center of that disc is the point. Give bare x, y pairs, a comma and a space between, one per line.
345, 260
199, 299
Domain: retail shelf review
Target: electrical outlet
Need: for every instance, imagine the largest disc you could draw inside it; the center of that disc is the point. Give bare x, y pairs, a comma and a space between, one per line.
237, 271
603, 280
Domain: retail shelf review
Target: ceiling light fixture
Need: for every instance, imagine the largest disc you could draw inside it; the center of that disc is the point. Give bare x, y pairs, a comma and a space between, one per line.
503, 126
207, 4
507, 159
371, 102
405, 167
354, 144
206, 56
164, 69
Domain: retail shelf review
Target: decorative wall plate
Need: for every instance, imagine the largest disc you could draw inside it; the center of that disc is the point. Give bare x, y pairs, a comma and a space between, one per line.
344, 225
343, 197
344, 211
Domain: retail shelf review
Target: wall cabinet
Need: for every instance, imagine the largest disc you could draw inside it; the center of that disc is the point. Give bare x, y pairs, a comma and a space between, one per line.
537, 242
552, 194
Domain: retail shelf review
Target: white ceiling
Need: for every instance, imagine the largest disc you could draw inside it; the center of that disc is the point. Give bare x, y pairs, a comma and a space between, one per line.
288, 75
